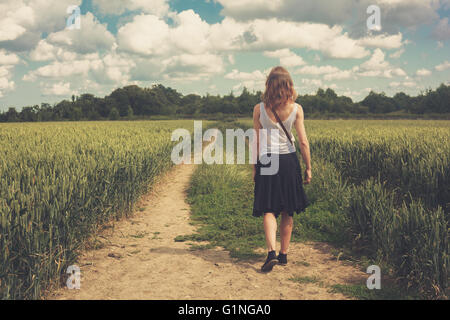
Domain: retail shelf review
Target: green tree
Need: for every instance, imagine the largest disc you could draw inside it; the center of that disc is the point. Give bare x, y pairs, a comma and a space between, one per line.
130, 113
12, 115
28, 114
114, 114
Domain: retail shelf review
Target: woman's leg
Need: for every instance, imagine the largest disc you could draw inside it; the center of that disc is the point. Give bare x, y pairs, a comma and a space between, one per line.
270, 229
286, 225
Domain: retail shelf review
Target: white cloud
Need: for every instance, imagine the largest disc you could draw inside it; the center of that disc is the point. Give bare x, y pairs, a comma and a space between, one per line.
58, 70
397, 54
331, 12
312, 82
315, 70
250, 85
58, 89
113, 68
423, 72
150, 35
108, 69
287, 57
146, 35
329, 72
443, 66
190, 33
91, 37
331, 41
383, 41
189, 67
147, 49
69, 45
10, 30
45, 51
7, 63
340, 75
26, 20
8, 59
408, 13
157, 42
118, 7
251, 80
333, 86
377, 66
16, 20
238, 75
404, 84
395, 13
352, 94
6, 84
376, 62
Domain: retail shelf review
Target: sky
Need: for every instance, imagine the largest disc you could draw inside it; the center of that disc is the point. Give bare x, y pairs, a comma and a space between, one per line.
220, 46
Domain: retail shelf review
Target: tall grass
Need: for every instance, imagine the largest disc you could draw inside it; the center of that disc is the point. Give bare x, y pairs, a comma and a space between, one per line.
388, 186
413, 162
60, 181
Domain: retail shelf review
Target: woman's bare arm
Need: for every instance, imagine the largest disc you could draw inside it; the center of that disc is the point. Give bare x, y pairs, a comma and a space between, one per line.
304, 143
256, 126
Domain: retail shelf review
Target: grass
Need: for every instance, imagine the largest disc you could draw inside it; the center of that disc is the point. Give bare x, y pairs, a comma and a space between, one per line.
361, 292
220, 205
139, 235
306, 279
357, 291
155, 235
201, 246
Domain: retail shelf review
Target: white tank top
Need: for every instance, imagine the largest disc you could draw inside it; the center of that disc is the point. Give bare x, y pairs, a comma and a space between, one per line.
278, 142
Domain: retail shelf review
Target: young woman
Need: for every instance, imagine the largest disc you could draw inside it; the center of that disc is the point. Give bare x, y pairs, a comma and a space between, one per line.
280, 193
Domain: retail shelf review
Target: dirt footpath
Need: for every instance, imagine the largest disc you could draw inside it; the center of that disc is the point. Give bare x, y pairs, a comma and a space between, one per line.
139, 259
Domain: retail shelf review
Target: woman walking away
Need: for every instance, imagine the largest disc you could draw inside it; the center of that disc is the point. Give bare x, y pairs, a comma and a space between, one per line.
281, 192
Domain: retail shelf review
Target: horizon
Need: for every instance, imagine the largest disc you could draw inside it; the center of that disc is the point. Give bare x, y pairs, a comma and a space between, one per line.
19, 108
220, 46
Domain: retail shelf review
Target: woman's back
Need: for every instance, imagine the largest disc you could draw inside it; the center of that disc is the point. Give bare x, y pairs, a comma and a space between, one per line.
279, 142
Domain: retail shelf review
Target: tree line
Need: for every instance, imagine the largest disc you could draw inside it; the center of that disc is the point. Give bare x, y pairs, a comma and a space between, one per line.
134, 102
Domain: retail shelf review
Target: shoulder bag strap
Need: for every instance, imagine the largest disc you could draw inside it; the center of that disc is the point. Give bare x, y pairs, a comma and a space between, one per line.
282, 126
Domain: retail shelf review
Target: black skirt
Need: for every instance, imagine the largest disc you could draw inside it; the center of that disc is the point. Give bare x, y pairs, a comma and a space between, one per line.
280, 192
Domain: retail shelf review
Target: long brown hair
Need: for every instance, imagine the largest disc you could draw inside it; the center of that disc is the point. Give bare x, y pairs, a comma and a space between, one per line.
279, 88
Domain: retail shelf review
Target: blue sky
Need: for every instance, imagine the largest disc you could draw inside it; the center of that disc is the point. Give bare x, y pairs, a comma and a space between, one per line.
219, 46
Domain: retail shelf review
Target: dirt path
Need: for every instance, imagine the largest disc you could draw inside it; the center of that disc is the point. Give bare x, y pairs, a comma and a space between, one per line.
141, 260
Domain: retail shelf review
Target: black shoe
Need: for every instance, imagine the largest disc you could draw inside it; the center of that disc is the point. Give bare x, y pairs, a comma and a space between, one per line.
282, 259
270, 262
